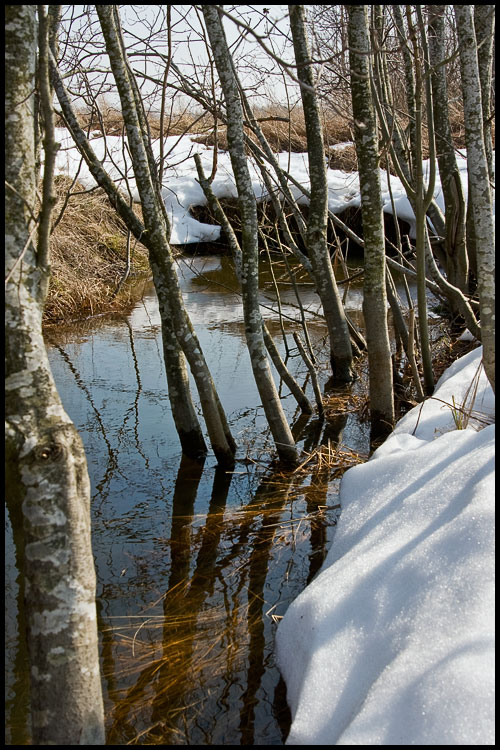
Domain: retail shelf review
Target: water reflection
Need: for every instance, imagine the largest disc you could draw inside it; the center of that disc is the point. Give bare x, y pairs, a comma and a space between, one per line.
192, 563
205, 645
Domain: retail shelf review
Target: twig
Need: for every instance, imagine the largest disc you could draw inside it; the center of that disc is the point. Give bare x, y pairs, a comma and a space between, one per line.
312, 371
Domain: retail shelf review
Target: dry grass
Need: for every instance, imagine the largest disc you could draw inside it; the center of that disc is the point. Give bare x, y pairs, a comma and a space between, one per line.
464, 414
88, 258
284, 131
344, 159
109, 120
447, 348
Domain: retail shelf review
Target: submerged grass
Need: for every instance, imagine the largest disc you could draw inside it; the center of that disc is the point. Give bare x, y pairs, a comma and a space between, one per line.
206, 641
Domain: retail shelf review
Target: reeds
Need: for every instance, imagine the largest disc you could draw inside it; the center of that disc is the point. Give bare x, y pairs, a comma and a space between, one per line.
88, 257
464, 414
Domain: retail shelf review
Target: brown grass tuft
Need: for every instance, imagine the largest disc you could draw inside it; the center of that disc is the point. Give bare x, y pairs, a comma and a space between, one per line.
88, 257
284, 131
344, 159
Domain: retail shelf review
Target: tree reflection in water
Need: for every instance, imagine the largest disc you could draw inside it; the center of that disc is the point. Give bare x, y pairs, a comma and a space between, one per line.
197, 667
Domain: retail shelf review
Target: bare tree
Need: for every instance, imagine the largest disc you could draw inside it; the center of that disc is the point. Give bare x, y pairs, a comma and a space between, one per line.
179, 331
45, 457
280, 429
407, 161
457, 266
316, 236
479, 183
374, 289
484, 25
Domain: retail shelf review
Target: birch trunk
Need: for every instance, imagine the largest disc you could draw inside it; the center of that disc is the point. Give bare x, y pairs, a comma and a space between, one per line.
423, 196
285, 444
484, 24
44, 453
479, 183
374, 291
457, 266
183, 411
235, 249
160, 255
341, 356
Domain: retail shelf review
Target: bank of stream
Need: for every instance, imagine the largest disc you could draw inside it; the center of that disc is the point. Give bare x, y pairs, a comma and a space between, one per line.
195, 566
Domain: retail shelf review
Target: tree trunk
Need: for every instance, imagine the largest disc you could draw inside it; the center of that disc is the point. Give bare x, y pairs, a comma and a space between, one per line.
235, 249
316, 238
457, 266
160, 255
285, 444
484, 24
183, 412
479, 183
374, 291
45, 458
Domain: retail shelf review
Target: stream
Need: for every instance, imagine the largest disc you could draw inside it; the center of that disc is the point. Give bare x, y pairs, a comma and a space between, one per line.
195, 566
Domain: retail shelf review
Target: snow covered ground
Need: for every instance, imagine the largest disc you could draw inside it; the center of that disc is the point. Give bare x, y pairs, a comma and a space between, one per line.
393, 641
181, 189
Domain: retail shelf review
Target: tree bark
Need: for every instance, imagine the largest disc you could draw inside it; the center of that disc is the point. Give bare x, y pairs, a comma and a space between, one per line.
479, 183
235, 249
183, 411
45, 458
457, 266
484, 24
285, 444
341, 356
374, 291
161, 260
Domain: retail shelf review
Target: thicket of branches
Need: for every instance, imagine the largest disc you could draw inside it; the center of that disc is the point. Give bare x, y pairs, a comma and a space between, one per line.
403, 82
413, 63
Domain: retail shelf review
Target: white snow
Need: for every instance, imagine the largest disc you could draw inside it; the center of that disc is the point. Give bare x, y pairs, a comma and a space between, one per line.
393, 641
182, 191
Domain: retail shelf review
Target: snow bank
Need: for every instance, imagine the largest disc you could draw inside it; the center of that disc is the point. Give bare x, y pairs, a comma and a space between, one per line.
393, 642
182, 191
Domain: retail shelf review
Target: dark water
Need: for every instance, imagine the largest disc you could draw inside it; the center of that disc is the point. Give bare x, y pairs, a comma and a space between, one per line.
195, 566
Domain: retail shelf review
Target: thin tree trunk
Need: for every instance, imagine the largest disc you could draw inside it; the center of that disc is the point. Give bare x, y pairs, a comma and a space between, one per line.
484, 24
341, 356
420, 240
265, 153
403, 158
161, 260
280, 429
374, 291
183, 412
457, 266
46, 462
479, 183
235, 249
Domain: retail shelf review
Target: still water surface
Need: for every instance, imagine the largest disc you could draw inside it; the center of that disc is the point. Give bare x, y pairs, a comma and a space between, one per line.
194, 565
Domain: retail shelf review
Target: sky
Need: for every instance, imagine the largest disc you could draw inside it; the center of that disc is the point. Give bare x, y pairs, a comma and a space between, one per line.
188, 45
